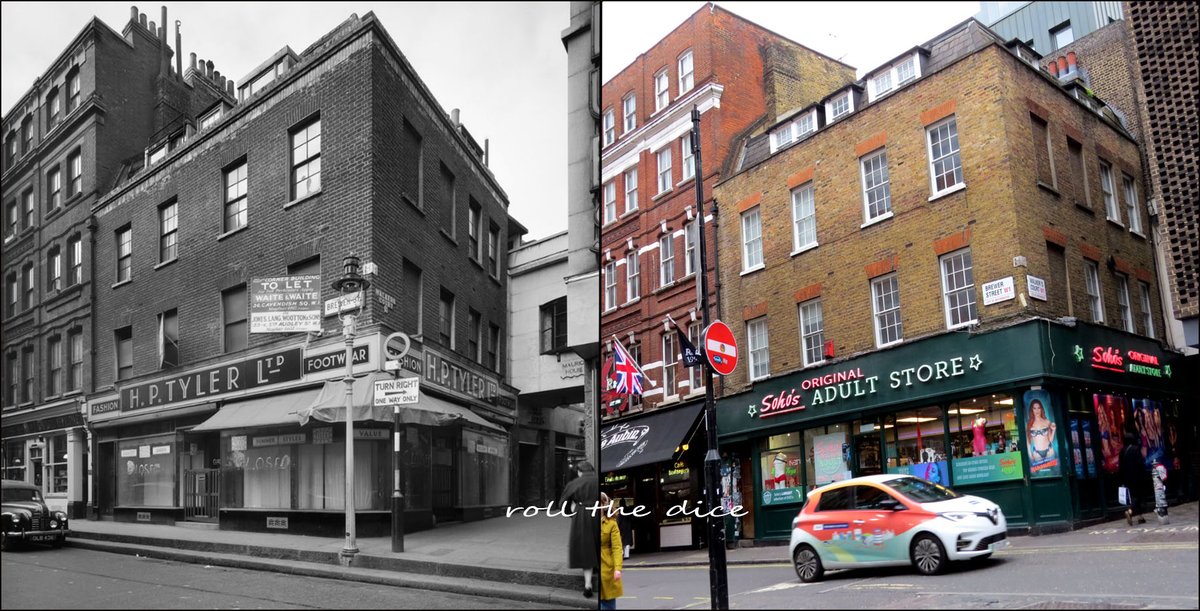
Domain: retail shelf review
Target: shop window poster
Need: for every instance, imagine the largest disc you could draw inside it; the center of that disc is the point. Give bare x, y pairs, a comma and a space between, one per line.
1077, 450
830, 457
1147, 418
1040, 440
1088, 453
1110, 420
781, 476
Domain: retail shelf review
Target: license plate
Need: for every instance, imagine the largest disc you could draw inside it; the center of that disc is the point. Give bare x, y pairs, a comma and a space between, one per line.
42, 538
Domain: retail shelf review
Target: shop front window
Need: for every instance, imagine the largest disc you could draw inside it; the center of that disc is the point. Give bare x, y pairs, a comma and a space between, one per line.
268, 469
828, 454
984, 440
484, 477
56, 464
418, 469
781, 470
14, 460
146, 472
916, 444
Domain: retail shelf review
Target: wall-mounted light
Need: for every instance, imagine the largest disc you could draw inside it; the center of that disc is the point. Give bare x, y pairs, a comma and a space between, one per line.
663, 225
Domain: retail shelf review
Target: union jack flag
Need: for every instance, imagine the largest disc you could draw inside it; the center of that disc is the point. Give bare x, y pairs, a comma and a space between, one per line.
625, 371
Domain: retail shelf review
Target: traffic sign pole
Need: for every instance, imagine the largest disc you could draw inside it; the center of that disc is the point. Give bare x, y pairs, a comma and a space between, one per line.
397, 457
717, 578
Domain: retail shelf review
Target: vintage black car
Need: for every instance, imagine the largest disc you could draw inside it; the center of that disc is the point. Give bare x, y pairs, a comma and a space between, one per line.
26, 518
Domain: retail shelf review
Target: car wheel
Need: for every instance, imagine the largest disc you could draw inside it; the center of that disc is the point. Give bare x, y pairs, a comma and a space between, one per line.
928, 555
807, 564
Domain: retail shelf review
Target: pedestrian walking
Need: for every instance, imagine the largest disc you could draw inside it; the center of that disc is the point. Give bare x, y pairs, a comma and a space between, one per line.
1158, 474
625, 525
582, 494
611, 587
1132, 467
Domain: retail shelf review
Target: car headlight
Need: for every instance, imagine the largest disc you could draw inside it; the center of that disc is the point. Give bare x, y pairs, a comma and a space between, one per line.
60, 516
957, 516
53, 523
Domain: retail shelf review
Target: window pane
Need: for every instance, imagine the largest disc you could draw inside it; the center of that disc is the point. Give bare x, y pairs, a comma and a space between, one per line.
886, 293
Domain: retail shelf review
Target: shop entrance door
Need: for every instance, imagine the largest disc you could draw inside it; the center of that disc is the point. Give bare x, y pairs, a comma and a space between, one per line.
867, 455
106, 481
201, 478
445, 475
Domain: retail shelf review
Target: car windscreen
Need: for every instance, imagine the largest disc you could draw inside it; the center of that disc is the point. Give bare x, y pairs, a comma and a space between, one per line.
20, 494
921, 491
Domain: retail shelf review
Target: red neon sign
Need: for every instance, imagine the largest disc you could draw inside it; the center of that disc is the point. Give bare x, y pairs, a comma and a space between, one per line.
1109, 359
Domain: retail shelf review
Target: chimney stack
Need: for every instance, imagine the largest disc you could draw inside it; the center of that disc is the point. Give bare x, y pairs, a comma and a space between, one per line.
178, 50
485, 152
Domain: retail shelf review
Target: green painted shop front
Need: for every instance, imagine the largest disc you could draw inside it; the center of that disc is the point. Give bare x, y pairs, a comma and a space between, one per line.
962, 409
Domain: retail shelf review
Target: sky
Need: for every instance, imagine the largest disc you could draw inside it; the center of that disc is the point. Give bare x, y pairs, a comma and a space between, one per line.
862, 34
502, 64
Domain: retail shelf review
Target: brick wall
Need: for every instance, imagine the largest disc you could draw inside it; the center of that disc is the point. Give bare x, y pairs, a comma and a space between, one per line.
999, 214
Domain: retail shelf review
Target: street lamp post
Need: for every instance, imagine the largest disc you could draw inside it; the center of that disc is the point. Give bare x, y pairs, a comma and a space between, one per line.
350, 283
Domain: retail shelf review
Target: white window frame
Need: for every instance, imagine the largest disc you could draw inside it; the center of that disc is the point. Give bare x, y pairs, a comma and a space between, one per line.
880, 85
1091, 273
1058, 36
953, 157
884, 184
689, 248
913, 67
610, 202
610, 286
1124, 307
633, 277
782, 136
1131, 204
812, 331
1111, 211
832, 105
958, 282
663, 158
1147, 313
758, 363
687, 156
666, 260
610, 127
629, 113
662, 90
804, 218
631, 189
687, 68
877, 286
670, 378
752, 240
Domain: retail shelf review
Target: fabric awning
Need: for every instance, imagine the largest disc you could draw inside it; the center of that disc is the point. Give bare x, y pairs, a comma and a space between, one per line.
275, 410
646, 439
330, 406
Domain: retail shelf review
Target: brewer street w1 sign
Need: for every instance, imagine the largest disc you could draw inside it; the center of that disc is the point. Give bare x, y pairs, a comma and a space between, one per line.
720, 348
397, 392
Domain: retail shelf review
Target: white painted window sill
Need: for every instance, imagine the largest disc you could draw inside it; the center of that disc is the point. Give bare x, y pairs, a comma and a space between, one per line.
804, 249
756, 268
879, 219
944, 192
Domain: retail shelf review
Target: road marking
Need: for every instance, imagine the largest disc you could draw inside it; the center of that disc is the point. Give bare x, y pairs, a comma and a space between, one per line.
777, 587
885, 586
1144, 547
664, 598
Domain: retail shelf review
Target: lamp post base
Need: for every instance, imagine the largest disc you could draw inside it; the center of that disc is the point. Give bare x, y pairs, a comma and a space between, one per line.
346, 556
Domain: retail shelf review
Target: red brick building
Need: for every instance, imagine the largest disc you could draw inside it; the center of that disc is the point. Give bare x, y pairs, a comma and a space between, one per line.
951, 241
336, 150
739, 76
104, 100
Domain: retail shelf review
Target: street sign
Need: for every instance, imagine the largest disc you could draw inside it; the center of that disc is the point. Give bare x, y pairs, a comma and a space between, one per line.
402, 391
720, 348
395, 350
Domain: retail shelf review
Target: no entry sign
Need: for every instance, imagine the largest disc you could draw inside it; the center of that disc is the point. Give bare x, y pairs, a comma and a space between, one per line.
720, 348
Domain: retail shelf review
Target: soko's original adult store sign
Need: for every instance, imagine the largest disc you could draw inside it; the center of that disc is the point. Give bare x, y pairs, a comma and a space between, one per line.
259, 371
919, 371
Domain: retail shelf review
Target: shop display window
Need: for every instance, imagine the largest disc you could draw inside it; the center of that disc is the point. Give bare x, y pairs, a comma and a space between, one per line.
56, 464
915, 444
266, 469
418, 469
146, 472
484, 470
827, 454
780, 465
984, 440
14, 460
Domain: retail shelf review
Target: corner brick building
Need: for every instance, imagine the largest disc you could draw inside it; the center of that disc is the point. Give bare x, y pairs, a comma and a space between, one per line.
105, 99
739, 76
199, 414
946, 274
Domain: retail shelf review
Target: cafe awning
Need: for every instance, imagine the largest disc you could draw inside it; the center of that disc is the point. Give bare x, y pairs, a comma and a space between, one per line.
646, 439
330, 406
276, 410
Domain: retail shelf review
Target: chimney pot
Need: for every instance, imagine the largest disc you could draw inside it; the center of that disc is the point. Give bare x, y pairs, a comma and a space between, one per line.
229, 87
454, 117
193, 60
1053, 68
133, 14
208, 69
153, 31
142, 19
1062, 65
1071, 60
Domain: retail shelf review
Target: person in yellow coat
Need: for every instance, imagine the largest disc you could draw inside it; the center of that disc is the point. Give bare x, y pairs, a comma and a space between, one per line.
610, 555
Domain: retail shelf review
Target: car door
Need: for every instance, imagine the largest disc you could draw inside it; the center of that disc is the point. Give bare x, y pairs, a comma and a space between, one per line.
852, 529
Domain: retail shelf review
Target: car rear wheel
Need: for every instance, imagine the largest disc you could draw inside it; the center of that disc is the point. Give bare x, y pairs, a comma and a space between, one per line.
808, 564
928, 554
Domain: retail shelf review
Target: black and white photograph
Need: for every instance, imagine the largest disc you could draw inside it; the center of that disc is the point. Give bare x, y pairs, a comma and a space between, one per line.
300, 305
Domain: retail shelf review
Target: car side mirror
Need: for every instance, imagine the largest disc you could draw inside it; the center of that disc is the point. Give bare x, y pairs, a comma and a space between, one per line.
891, 505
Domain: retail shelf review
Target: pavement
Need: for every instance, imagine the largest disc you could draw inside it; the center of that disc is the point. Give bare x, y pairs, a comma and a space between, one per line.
518, 559
1183, 519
